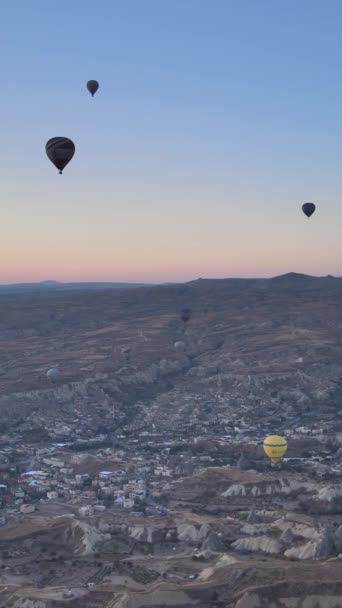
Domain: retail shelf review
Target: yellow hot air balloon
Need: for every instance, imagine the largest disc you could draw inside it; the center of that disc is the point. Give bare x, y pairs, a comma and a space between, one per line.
275, 447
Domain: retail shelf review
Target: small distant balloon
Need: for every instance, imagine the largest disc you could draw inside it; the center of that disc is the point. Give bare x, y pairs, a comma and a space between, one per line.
60, 151
92, 86
308, 209
180, 346
54, 375
275, 447
186, 314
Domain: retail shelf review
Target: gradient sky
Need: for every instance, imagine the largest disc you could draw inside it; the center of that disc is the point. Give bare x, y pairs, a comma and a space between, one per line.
215, 120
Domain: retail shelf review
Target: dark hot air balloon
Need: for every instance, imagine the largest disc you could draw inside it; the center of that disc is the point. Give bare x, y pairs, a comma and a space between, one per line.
186, 314
92, 86
308, 209
60, 151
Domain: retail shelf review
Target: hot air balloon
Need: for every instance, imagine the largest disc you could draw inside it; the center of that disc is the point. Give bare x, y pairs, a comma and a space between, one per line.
308, 209
54, 375
92, 86
60, 151
186, 314
275, 448
180, 346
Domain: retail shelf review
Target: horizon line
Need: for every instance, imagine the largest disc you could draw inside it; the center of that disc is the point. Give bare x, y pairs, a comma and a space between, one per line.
52, 282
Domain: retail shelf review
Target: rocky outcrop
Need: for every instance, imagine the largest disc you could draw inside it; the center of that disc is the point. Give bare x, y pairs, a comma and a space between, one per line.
225, 560
338, 539
213, 543
330, 494
287, 537
267, 488
328, 500
298, 530
264, 544
320, 549
83, 538
252, 517
99, 389
186, 533
147, 534
191, 534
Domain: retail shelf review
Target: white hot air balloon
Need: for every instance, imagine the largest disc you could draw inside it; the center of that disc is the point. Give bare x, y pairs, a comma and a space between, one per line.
180, 346
54, 375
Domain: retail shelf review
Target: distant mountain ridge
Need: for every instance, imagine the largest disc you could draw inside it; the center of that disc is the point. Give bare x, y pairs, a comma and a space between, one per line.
299, 276
56, 285
298, 280
290, 280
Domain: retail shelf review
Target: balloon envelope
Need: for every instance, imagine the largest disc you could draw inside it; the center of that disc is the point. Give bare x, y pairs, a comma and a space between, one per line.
275, 447
179, 346
54, 375
60, 151
92, 86
186, 314
308, 209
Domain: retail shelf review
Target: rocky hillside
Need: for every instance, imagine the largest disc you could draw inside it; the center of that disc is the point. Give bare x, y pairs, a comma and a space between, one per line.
140, 480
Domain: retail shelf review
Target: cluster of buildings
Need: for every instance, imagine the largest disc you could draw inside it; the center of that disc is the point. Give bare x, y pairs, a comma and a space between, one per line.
90, 479
88, 465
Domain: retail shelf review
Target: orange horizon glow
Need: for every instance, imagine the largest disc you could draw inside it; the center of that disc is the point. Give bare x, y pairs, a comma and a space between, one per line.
194, 157
123, 265
157, 277
182, 247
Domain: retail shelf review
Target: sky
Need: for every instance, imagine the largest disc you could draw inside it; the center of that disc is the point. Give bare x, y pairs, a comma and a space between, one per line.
214, 122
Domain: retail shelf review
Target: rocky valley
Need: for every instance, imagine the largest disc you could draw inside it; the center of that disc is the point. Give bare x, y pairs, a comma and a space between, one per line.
139, 479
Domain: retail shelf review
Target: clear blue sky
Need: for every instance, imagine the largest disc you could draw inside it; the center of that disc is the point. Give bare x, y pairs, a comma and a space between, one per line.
215, 120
